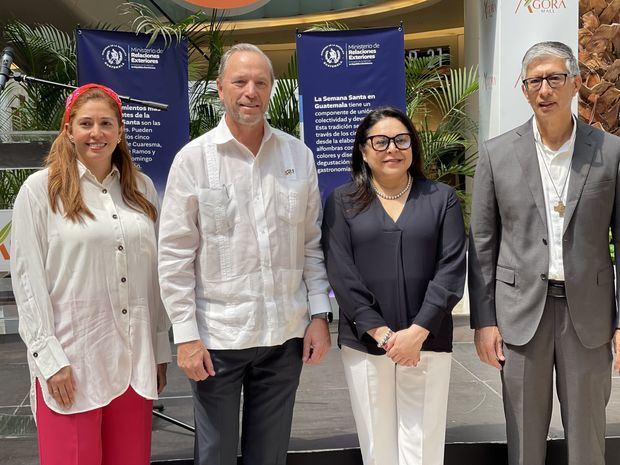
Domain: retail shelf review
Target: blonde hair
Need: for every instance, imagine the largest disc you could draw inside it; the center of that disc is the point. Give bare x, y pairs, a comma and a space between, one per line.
64, 179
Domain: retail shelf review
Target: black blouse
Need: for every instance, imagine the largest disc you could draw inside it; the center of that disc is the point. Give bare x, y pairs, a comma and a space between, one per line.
395, 274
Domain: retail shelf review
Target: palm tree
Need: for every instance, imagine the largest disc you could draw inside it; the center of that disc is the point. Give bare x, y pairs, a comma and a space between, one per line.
206, 37
449, 146
283, 109
44, 52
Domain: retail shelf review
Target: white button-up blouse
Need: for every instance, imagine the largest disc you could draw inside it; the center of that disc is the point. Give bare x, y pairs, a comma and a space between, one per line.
87, 292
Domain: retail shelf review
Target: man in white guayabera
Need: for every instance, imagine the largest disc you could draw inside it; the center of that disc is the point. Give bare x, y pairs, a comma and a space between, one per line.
241, 269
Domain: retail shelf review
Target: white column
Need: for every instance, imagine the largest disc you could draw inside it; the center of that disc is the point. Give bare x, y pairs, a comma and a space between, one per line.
472, 39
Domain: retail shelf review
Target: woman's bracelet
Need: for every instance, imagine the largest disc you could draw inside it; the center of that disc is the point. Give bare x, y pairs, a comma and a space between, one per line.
386, 337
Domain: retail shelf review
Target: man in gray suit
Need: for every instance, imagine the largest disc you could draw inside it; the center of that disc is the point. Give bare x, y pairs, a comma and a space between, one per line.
541, 279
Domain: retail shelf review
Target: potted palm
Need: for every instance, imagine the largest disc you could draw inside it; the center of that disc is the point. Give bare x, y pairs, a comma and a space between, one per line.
45, 52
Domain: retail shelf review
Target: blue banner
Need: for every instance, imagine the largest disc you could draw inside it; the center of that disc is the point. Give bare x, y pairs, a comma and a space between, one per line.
123, 62
342, 76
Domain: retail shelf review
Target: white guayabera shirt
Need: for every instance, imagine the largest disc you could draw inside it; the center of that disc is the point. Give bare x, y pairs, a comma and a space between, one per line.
87, 293
240, 258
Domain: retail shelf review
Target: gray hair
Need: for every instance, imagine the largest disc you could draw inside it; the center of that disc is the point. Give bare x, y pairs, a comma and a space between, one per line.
553, 49
244, 48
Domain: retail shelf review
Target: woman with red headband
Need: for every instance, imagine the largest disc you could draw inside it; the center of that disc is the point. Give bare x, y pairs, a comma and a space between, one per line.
84, 276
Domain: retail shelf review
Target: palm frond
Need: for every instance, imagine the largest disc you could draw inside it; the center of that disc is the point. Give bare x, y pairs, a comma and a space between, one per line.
206, 36
41, 110
284, 104
148, 22
459, 121
420, 76
328, 26
205, 109
454, 89
449, 146
105, 26
204, 117
202, 29
436, 144
456, 168
421, 72
42, 51
10, 182
45, 52
210, 36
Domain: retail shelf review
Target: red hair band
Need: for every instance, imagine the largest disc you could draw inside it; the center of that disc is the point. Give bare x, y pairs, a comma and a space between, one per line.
82, 89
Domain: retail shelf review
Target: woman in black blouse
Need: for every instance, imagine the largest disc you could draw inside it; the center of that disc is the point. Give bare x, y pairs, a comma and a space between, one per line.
394, 246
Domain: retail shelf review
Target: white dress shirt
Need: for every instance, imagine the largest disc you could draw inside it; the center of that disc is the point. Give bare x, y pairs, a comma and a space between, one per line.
87, 292
240, 258
554, 168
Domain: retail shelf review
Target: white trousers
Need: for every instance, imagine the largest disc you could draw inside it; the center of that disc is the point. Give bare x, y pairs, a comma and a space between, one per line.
400, 412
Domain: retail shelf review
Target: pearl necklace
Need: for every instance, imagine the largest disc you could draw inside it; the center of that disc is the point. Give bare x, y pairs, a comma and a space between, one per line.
395, 196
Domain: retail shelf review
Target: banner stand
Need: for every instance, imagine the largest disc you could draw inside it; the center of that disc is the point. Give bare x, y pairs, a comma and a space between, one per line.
342, 76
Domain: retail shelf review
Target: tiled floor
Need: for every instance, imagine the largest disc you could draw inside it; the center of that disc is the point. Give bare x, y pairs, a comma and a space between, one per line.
322, 419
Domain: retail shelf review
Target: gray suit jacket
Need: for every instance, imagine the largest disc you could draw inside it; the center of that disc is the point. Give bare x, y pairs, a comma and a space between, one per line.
508, 251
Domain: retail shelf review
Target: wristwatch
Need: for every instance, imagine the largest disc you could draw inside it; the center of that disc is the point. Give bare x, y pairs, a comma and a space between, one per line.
327, 316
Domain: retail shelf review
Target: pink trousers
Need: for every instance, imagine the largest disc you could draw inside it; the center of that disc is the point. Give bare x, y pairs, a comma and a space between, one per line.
117, 434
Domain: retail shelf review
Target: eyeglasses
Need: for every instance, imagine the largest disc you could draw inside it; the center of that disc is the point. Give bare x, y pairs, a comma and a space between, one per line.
380, 143
554, 81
